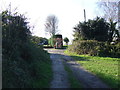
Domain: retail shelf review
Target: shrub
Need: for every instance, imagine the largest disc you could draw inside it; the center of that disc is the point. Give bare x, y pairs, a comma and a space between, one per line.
22, 59
96, 29
85, 47
94, 48
25, 68
109, 51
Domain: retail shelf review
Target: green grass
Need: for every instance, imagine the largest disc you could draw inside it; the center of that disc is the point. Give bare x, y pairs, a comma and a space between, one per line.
43, 68
45, 72
105, 68
74, 83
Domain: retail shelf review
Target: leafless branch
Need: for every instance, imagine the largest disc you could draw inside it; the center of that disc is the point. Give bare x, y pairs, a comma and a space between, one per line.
51, 25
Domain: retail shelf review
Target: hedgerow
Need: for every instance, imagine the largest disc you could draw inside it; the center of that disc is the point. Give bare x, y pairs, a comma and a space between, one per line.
23, 62
94, 48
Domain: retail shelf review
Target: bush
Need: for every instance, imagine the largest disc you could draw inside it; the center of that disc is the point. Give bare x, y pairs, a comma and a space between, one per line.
85, 47
109, 51
95, 48
22, 59
25, 68
96, 29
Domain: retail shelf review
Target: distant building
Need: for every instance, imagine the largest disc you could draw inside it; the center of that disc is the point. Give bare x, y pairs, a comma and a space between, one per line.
58, 41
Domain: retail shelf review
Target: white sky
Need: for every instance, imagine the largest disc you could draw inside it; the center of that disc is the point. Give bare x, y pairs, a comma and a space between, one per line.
68, 12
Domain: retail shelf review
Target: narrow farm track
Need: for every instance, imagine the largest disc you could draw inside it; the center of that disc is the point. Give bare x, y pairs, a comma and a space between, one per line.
60, 80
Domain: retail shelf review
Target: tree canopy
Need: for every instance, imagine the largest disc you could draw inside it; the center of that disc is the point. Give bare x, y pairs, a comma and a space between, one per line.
66, 40
96, 29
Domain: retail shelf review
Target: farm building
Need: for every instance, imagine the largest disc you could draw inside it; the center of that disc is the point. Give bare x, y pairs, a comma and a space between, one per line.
58, 41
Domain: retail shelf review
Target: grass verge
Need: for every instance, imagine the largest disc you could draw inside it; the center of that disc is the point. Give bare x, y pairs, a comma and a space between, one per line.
45, 72
105, 68
74, 83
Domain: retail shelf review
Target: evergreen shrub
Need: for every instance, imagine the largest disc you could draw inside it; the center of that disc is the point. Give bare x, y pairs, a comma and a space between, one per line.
95, 48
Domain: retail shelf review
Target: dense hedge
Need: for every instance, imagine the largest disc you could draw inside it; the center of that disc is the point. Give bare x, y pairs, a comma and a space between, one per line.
26, 67
110, 50
95, 48
24, 63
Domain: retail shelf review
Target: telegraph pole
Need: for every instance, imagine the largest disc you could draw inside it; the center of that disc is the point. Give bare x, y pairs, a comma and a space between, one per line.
119, 15
9, 19
10, 8
84, 15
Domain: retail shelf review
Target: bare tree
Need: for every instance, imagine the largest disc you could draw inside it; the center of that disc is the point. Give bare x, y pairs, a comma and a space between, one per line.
51, 25
110, 9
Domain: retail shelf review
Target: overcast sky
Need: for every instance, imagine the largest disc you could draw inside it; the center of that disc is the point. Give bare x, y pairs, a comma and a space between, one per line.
68, 12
